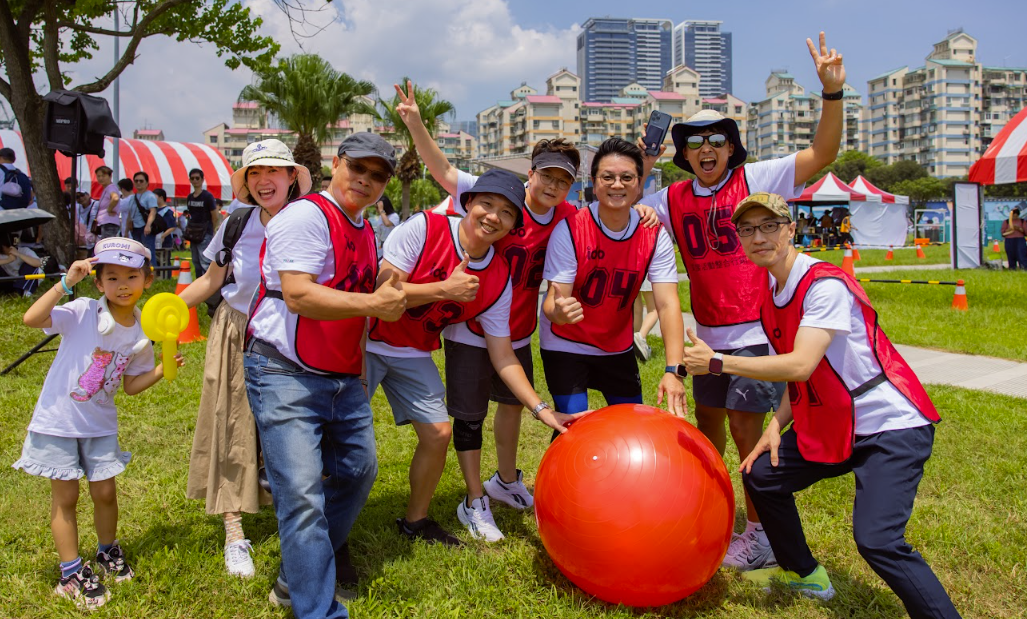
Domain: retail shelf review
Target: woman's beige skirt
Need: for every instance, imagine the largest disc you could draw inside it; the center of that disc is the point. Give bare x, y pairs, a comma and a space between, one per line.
223, 463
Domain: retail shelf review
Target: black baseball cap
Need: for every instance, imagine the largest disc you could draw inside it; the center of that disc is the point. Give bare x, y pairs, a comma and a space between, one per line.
364, 144
503, 183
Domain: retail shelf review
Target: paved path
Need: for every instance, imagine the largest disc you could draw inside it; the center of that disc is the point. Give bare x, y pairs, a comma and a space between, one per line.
935, 367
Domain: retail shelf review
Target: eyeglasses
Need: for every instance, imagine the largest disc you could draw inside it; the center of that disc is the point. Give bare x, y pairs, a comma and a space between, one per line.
717, 140
360, 169
196, 178
140, 181
610, 179
552, 181
767, 227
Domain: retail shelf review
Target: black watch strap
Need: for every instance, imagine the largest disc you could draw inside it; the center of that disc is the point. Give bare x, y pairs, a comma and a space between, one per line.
832, 96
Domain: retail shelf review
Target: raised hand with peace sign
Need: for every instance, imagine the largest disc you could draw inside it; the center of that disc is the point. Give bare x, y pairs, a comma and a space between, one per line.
829, 65
406, 106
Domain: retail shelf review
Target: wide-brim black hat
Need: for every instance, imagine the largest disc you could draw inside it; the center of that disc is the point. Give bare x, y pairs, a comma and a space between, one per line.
699, 122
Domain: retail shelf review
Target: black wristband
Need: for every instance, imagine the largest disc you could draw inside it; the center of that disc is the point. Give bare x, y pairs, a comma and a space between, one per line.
832, 96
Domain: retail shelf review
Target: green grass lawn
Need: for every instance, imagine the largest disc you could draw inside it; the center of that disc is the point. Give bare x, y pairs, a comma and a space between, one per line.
970, 521
933, 254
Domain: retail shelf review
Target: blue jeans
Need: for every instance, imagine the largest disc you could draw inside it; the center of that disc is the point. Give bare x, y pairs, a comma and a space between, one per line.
150, 241
200, 262
312, 426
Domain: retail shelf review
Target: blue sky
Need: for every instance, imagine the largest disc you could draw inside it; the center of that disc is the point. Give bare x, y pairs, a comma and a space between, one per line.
475, 51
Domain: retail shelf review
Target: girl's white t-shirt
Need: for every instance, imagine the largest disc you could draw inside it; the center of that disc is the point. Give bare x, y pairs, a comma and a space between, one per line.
77, 399
245, 261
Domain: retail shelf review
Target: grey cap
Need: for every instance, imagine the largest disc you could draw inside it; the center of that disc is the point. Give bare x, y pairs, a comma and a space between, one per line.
365, 144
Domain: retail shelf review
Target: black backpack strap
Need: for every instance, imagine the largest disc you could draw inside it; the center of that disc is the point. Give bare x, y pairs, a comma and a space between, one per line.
234, 226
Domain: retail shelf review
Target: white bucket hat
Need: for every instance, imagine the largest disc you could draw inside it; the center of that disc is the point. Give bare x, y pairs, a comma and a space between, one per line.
270, 153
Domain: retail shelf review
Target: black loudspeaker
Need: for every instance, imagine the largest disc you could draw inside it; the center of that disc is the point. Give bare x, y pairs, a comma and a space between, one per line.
76, 123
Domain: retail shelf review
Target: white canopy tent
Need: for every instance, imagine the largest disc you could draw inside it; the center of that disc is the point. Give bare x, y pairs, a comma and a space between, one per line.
877, 221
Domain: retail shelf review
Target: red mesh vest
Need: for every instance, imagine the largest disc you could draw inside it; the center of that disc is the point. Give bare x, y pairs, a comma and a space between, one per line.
610, 274
419, 327
356, 269
724, 285
525, 251
823, 407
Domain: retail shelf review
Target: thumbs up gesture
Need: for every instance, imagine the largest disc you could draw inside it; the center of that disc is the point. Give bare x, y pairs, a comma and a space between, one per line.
390, 301
460, 285
567, 310
697, 356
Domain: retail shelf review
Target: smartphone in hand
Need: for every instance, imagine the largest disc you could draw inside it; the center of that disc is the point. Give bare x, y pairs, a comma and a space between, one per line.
656, 131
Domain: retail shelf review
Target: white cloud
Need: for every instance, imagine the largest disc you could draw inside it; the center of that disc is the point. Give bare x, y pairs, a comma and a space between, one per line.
468, 50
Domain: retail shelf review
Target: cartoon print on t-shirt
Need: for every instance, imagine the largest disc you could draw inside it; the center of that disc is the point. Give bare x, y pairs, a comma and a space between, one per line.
93, 380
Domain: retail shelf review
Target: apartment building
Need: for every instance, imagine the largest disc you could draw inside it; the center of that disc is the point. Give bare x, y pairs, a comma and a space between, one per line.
152, 135
786, 121
944, 114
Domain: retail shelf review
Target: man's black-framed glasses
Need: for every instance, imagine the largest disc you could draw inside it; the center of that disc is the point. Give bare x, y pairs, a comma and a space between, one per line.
767, 227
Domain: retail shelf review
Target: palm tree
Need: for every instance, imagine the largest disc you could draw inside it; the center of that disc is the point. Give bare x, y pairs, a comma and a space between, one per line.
432, 110
308, 96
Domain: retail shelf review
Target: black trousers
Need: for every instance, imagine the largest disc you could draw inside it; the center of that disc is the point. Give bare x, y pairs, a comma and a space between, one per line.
888, 467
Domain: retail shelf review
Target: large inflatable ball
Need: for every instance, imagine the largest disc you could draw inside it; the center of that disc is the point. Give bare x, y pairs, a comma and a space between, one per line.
634, 506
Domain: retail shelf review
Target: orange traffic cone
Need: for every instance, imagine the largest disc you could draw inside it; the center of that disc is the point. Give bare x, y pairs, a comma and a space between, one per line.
847, 262
855, 253
890, 255
995, 247
920, 251
192, 332
959, 299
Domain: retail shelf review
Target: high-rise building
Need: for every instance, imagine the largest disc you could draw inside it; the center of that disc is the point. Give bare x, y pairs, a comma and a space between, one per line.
613, 53
702, 46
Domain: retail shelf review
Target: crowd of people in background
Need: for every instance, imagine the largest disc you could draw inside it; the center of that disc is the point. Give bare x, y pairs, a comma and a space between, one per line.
826, 230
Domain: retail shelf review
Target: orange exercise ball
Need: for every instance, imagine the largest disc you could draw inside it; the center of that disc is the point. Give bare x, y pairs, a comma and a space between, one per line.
634, 506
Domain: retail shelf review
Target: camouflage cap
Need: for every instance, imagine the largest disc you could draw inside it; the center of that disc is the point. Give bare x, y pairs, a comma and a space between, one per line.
770, 201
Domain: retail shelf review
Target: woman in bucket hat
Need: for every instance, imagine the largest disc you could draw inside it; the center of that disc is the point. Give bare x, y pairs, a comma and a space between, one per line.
725, 286
223, 464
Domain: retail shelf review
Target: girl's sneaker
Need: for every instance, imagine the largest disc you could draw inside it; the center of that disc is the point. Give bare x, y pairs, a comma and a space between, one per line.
84, 587
238, 561
111, 564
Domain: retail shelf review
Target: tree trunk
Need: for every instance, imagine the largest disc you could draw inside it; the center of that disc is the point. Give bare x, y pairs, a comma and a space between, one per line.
308, 154
406, 200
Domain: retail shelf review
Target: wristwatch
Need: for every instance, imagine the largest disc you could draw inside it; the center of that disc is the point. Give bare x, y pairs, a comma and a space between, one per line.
541, 406
678, 370
832, 96
717, 364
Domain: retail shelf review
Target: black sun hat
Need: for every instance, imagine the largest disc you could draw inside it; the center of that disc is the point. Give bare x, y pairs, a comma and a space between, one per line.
503, 183
699, 122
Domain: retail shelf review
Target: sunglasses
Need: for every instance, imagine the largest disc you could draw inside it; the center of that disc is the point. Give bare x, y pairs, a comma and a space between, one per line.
140, 180
195, 178
360, 169
717, 140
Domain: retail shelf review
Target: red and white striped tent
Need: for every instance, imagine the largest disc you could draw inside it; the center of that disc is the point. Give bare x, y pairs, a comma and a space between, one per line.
831, 189
167, 163
1005, 161
864, 186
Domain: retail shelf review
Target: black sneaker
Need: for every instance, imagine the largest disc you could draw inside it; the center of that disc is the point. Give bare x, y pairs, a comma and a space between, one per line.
428, 530
111, 564
84, 587
345, 574
262, 479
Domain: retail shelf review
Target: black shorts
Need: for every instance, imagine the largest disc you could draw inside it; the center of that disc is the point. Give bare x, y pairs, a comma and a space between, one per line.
738, 393
569, 376
471, 380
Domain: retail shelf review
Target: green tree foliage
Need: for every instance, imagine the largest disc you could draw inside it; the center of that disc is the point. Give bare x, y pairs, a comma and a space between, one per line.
49, 34
424, 193
848, 166
432, 110
308, 96
921, 190
672, 174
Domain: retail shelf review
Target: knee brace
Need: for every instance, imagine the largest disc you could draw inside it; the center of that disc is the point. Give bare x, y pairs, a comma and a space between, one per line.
467, 435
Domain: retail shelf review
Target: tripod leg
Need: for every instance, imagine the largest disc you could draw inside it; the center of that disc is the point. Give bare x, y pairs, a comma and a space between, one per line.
31, 352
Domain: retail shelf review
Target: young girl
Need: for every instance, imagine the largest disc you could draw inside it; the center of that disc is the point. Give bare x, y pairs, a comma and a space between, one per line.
223, 464
74, 426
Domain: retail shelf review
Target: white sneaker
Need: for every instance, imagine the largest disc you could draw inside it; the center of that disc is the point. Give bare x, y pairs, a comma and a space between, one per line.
478, 519
746, 552
642, 349
515, 495
237, 559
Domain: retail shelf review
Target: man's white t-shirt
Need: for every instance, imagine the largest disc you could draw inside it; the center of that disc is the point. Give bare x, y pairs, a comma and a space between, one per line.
245, 261
402, 250
562, 267
298, 239
77, 399
829, 305
773, 176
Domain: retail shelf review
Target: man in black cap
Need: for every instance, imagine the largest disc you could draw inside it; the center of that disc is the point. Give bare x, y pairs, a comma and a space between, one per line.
451, 273
725, 286
305, 372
